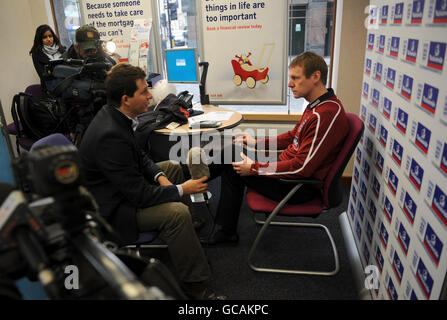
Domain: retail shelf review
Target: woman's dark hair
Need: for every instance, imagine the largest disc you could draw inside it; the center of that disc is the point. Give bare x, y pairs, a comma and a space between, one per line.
122, 80
37, 46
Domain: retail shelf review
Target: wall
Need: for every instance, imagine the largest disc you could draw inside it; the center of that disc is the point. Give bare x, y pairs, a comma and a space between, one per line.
18, 20
349, 54
397, 207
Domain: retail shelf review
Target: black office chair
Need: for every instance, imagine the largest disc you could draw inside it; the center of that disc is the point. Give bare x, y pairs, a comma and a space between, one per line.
15, 128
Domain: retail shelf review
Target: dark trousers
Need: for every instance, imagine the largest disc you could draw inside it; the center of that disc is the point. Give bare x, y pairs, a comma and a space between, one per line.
233, 187
173, 221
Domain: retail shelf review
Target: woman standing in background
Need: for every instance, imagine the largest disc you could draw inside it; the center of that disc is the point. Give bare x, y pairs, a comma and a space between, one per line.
46, 47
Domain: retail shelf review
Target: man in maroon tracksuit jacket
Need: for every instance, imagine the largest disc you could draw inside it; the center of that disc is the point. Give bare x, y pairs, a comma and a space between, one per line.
308, 150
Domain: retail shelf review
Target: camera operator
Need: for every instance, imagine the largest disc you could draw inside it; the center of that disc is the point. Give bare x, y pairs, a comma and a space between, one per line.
87, 46
77, 82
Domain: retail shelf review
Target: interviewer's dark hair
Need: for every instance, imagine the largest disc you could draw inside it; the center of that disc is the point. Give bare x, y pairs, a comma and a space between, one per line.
122, 80
311, 62
37, 45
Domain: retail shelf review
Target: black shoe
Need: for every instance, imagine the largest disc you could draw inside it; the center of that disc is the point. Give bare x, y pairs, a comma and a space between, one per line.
199, 291
220, 237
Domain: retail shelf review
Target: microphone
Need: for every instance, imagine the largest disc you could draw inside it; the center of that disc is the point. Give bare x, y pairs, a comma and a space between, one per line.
198, 168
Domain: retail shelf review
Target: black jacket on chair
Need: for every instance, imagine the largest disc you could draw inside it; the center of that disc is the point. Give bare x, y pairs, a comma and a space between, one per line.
118, 174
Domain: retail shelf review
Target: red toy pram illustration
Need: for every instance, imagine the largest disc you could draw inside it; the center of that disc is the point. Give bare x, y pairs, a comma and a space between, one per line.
245, 71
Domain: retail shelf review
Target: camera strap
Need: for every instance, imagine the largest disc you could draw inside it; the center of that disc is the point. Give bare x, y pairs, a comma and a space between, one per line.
61, 87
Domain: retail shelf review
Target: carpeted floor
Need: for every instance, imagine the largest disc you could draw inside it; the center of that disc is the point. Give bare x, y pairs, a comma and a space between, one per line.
282, 247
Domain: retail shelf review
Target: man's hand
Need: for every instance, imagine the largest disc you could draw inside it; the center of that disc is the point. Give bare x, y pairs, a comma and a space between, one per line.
243, 167
195, 186
245, 139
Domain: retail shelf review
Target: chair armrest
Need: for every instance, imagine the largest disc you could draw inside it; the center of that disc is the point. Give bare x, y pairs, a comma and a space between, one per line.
301, 181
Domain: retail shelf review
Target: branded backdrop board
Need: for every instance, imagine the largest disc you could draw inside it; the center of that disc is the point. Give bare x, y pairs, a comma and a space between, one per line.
115, 19
398, 202
245, 44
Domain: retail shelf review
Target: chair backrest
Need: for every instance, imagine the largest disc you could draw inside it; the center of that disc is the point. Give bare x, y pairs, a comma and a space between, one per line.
34, 90
332, 193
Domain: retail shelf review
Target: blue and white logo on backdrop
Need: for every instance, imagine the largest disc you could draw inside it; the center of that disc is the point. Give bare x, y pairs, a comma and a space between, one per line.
365, 90
416, 174
403, 238
375, 98
379, 162
394, 49
363, 191
440, 15
368, 64
417, 11
379, 68
398, 267
363, 112
424, 278
439, 204
376, 187
372, 210
391, 290
360, 209
409, 207
369, 233
422, 138
407, 87
383, 233
436, 55
372, 123
429, 98
398, 13
412, 50
388, 209
383, 135
393, 181
397, 152
390, 78
402, 121
443, 164
379, 258
381, 46
387, 106
370, 44
384, 14
366, 170
433, 244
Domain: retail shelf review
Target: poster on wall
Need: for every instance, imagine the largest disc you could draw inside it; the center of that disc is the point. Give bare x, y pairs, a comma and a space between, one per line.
115, 20
139, 43
402, 156
244, 43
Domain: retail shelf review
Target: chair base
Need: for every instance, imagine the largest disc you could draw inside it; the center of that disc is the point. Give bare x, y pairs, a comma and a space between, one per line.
267, 223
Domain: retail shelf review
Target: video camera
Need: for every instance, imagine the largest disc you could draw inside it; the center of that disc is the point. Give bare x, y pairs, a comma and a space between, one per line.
78, 86
42, 238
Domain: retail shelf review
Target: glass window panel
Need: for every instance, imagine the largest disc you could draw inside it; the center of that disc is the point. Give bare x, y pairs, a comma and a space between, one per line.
311, 24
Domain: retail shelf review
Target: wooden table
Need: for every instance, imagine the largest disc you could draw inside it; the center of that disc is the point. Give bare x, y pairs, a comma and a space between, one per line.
174, 144
235, 119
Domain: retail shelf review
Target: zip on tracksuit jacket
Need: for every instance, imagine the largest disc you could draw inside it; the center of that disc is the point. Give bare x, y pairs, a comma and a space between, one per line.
312, 146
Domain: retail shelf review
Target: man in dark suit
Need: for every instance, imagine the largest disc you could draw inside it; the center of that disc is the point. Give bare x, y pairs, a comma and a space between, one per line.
134, 193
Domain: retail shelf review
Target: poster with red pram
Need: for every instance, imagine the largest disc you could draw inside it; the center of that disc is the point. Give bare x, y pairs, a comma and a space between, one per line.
244, 43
